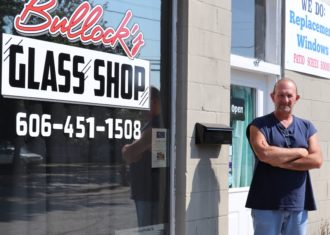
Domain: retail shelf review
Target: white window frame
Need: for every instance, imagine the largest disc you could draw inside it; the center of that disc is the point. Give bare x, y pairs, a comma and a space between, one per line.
272, 45
254, 65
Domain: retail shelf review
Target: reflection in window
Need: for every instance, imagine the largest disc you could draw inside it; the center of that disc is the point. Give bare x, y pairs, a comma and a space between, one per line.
77, 180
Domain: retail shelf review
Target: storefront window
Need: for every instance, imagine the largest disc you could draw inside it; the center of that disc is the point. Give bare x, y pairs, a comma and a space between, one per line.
241, 159
248, 28
84, 143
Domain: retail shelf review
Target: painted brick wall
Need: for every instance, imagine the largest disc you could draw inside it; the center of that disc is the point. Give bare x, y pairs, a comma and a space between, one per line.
315, 106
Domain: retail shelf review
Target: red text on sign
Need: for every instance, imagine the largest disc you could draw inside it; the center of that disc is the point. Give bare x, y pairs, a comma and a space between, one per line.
82, 25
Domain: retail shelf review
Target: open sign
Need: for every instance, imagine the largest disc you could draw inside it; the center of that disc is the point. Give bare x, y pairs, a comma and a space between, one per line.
237, 109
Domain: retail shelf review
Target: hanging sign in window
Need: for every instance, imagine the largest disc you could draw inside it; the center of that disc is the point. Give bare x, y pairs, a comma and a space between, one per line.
40, 70
158, 147
237, 109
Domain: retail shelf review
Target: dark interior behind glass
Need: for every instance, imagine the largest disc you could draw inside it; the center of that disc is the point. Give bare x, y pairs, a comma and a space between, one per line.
63, 184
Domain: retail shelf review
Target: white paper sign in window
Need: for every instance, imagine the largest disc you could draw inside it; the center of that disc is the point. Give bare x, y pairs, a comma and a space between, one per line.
159, 149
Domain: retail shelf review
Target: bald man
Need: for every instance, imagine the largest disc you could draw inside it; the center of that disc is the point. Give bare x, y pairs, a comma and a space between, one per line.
285, 148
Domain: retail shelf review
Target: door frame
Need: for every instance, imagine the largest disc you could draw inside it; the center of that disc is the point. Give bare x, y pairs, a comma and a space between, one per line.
262, 79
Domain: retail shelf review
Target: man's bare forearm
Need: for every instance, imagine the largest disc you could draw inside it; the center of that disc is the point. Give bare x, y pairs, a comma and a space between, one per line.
313, 160
277, 156
273, 155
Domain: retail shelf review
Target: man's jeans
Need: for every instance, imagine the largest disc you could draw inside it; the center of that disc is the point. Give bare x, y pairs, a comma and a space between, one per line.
279, 222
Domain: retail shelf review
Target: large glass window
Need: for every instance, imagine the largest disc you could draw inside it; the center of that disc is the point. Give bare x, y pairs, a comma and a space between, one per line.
73, 165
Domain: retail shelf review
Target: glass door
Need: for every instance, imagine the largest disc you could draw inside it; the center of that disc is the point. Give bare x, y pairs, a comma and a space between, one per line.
249, 99
242, 113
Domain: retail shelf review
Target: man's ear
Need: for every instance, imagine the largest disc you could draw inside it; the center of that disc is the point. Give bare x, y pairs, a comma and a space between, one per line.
297, 97
272, 95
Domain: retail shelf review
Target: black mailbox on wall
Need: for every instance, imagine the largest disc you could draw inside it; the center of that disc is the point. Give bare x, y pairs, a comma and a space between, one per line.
207, 133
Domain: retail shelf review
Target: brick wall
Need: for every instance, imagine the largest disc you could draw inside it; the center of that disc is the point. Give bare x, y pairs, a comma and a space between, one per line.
314, 105
203, 95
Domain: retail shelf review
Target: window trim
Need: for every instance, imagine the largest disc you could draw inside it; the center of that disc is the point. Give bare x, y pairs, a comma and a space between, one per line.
173, 116
273, 31
254, 65
239, 190
273, 42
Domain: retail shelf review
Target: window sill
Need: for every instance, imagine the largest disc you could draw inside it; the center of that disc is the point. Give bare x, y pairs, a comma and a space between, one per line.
239, 190
254, 65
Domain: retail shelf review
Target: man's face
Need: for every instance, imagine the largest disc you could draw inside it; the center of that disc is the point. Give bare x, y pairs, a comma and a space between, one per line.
285, 96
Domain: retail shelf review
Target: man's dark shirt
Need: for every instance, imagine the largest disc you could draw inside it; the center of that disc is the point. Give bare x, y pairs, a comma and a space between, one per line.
274, 188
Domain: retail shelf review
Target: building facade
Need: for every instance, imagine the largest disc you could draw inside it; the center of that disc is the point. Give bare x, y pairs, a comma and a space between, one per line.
229, 51
100, 101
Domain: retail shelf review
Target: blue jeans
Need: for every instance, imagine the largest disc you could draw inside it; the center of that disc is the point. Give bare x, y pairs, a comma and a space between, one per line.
279, 222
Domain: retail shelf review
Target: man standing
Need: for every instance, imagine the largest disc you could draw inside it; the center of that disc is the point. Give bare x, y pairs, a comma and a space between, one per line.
286, 147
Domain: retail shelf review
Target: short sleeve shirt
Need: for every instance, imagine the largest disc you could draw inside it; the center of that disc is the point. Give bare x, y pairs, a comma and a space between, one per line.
274, 188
